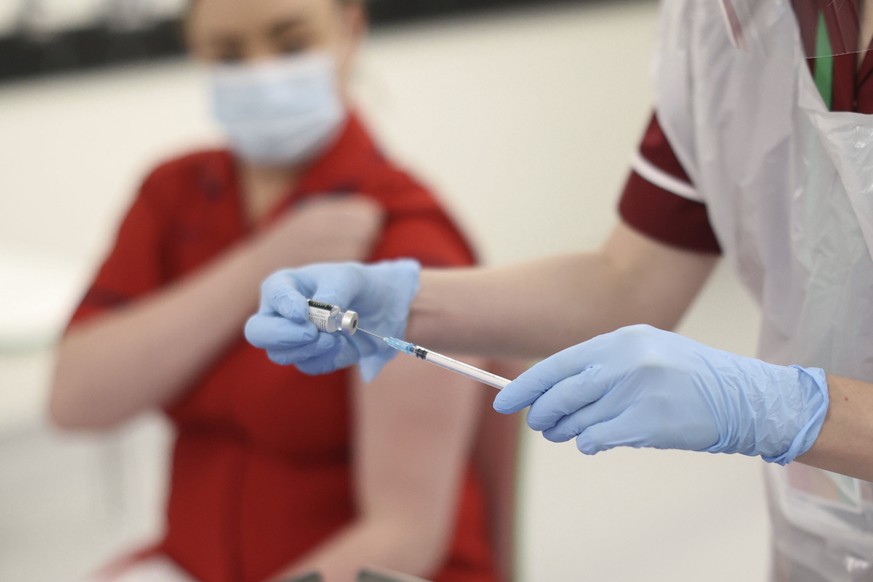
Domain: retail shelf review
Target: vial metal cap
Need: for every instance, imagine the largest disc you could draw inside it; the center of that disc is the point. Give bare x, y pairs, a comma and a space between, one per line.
349, 322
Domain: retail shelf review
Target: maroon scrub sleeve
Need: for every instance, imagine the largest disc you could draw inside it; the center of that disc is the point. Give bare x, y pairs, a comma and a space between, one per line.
662, 215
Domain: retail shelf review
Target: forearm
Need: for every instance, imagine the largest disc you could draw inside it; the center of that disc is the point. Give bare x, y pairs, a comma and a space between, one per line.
845, 443
526, 310
144, 355
541, 307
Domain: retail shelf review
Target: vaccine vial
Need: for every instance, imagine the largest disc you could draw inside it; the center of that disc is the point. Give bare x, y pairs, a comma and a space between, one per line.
332, 319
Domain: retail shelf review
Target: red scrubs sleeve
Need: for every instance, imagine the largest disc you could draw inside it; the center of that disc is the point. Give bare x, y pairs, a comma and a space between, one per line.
659, 213
133, 267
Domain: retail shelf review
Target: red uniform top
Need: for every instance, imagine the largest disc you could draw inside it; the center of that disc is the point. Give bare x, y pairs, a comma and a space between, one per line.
261, 469
658, 197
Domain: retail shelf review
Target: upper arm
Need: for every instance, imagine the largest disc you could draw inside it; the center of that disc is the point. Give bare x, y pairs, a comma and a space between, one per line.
657, 279
665, 243
413, 432
415, 422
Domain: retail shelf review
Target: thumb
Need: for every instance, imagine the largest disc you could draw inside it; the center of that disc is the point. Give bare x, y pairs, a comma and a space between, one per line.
606, 435
279, 294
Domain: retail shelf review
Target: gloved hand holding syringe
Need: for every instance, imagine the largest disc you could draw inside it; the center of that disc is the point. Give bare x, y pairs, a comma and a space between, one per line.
332, 319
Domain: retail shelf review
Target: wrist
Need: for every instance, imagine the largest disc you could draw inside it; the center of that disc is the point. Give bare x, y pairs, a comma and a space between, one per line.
803, 413
393, 285
398, 280
428, 307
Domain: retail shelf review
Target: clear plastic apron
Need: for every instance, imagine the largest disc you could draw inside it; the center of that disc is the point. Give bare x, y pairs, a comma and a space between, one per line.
789, 191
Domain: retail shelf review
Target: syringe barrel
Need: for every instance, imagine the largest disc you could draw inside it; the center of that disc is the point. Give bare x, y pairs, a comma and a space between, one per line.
465, 369
332, 319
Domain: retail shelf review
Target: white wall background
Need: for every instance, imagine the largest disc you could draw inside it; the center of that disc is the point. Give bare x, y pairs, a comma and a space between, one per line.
525, 121
59, 15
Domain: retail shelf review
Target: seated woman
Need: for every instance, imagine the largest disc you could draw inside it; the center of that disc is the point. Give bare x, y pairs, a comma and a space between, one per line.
275, 473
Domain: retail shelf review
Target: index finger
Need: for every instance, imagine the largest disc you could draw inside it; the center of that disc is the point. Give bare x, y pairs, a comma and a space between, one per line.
540, 378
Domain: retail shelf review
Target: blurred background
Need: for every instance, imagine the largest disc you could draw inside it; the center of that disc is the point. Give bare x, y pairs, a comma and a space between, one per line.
523, 116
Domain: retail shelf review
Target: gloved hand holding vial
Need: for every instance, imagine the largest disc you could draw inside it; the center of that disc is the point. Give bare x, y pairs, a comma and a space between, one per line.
331, 319
282, 326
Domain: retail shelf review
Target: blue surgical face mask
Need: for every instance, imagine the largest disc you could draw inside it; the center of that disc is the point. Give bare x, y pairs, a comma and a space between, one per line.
281, 112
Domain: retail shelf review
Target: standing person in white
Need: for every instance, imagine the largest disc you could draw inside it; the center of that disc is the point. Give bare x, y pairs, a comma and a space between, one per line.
788, 184
762, 138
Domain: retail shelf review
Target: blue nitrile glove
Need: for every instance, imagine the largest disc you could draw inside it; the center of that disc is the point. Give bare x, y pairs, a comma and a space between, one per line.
643, 387
380, 293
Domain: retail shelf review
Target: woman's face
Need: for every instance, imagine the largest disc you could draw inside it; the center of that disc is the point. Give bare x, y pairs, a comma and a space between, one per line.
231, 31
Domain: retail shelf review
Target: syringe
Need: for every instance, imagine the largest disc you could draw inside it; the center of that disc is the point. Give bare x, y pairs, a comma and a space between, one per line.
442, 361
332, 319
